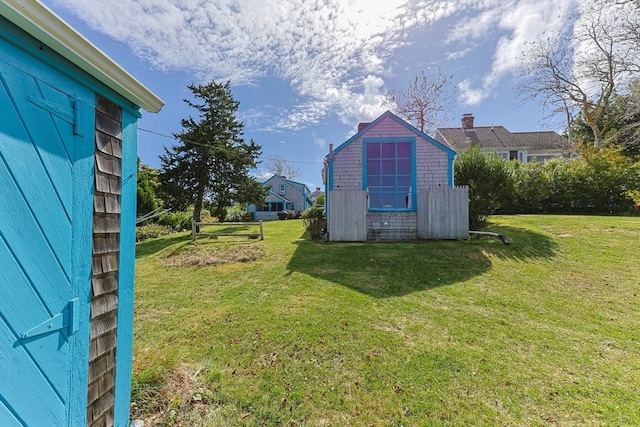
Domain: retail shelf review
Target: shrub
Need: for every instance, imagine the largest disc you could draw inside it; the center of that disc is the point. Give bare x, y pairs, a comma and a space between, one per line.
178, 221
314, 222
489, 180
294, 214
530, 189
151, 231
234, 214
599, 181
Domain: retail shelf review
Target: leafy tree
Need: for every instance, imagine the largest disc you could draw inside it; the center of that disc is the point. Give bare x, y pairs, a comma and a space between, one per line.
211, 164
147, 185
623, 117
424, 103
488, 177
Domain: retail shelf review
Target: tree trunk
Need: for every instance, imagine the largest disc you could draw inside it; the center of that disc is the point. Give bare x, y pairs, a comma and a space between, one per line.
597, 136
197, 207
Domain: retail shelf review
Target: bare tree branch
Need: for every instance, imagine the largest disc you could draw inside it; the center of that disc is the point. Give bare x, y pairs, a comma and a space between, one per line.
424, 103
584, 70
279, 165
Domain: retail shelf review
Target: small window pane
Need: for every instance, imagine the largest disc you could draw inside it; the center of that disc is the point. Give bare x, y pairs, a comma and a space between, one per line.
373, 151
389, 181
388, 167
404, 166
404, 150
374, 181
374, 167
389, 150
374, 200
388, 200
404, 181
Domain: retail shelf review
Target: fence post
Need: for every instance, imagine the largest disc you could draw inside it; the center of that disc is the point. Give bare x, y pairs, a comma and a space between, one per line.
193, 231
261, 233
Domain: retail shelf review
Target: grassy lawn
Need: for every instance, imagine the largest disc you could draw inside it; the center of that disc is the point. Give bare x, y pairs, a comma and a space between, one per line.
544, 331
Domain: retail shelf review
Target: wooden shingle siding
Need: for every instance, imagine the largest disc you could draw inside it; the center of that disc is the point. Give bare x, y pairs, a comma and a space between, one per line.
105, 265
347, 167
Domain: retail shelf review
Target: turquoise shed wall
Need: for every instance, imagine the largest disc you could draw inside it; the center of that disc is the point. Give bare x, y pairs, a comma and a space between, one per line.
31, 78
124, 350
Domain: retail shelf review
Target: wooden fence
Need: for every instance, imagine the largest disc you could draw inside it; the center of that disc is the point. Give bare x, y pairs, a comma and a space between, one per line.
198, 225
347, 215
443, 213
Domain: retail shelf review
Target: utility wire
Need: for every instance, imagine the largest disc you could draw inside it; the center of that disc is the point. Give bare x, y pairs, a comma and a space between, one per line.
206, 145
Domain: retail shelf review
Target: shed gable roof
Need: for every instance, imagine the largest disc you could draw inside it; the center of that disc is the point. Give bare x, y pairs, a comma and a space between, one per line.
390, 115
36, 19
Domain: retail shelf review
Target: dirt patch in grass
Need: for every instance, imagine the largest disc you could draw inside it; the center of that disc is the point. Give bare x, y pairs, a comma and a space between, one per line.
206, 255
181, 397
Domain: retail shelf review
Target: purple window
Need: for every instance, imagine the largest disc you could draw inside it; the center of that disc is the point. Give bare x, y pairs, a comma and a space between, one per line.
389, 166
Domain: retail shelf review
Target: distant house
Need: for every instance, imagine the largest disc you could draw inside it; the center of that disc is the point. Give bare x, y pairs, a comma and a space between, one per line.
315, 194
522, 146
282, 195
392, 182
68, 132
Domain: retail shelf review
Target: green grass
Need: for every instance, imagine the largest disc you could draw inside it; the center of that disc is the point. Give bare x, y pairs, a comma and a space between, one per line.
544, 331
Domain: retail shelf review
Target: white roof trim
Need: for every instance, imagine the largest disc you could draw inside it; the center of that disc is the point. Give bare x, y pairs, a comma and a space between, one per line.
42, 23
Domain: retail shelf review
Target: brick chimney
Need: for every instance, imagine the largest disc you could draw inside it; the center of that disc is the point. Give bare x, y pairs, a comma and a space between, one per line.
467, 121
362, 126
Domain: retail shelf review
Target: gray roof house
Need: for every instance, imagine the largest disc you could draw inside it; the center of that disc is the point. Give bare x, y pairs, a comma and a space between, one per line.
283, 194
315, 194
521, 146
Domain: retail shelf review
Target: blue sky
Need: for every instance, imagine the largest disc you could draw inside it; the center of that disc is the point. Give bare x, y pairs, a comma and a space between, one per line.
307, 72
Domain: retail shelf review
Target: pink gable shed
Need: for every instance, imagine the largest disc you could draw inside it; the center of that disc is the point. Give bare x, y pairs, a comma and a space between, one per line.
392, 182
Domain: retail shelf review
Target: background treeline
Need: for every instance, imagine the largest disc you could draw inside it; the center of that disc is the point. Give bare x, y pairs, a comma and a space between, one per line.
598, 181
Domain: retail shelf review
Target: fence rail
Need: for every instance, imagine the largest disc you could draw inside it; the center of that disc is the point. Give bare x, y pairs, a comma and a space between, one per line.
197, 225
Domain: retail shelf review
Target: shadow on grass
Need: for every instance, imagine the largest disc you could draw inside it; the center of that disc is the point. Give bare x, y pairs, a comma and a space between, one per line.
390, 269
153, 246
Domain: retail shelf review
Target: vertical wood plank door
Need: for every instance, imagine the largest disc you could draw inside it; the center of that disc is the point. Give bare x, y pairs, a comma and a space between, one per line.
42, 304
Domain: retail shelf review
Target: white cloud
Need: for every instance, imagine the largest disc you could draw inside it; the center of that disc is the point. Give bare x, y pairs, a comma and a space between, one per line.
324, 50
334, 54
452, 56
519, 22
320, 142
470, 95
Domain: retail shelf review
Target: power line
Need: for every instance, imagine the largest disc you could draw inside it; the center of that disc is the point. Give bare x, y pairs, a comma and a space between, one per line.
206, 145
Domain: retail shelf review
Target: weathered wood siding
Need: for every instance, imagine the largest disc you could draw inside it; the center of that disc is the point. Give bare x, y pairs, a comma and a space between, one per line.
348, 221
392, 226
443, 213
106, 253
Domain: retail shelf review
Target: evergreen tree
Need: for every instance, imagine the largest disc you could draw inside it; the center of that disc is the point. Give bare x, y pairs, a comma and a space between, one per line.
210, 166
147, 184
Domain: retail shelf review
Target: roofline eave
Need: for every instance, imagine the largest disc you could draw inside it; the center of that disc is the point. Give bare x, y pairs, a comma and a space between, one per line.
38, 20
